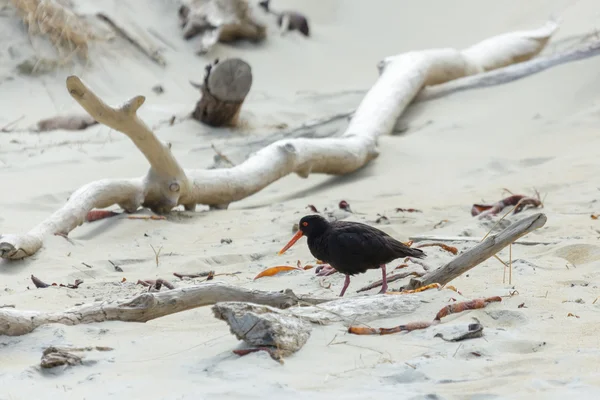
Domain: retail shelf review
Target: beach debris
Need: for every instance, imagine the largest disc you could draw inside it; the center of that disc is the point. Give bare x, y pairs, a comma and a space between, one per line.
226, 85
148, 217
197, 275
151, 305
447, 310
421, 289
287, 20
572, 315
458, 333
485, 249
440, 224
117, 268
159, 89
42, 285
226, 241
74, 122
143, 43
391, 278
155, 285
220, 159
224, 21
271, 328
68, 33
382, 219
272, 271
408, 210
55, 356
275, 355
594, 216
450, 249
519, 201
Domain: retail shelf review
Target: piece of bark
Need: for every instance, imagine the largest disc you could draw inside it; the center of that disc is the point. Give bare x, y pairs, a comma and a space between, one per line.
264, 326
222, 21
55, 356
74, 122
481, 252
147, 306
167, 185
224, 90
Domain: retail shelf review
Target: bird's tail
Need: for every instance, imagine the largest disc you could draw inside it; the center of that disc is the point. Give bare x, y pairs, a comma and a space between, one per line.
413, 252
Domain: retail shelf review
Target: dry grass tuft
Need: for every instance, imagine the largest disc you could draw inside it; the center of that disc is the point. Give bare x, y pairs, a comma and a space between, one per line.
67, 32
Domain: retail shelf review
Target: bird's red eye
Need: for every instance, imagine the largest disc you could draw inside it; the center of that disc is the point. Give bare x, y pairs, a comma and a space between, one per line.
305, 223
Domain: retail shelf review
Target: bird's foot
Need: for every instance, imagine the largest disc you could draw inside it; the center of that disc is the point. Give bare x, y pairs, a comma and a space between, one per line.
325, 270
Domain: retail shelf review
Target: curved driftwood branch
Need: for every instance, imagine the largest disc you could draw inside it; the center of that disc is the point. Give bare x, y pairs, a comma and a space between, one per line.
167, 185
509, 73
480, 252
147, 306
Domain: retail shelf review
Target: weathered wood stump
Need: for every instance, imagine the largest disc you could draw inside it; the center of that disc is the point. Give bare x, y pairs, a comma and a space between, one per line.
224, 90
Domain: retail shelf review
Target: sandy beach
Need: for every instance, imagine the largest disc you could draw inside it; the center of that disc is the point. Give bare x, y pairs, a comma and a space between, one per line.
538, 132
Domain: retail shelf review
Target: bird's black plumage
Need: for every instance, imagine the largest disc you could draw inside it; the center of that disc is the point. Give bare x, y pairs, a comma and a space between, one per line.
352, 247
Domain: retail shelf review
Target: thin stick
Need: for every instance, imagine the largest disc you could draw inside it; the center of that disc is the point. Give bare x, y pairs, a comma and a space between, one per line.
481, 252
510, 261
156, 253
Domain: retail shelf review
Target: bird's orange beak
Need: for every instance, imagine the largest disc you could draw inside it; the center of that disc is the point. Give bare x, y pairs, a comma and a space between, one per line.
293, 240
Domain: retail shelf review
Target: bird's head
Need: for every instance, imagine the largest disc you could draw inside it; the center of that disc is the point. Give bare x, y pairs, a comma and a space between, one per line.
309, 226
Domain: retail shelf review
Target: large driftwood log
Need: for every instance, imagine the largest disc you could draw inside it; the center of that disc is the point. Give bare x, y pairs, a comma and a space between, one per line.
146, 307
167, 185
479, 253
222, 21
226, 85
151, 305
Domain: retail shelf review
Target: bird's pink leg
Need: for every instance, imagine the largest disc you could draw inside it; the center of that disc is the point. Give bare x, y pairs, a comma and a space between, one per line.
346, 283
384, 287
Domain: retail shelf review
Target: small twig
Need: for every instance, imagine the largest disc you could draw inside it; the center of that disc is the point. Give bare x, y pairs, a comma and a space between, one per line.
6, 127
156, 253
222, 156
117, 268
153, 54
392, 278
198, 275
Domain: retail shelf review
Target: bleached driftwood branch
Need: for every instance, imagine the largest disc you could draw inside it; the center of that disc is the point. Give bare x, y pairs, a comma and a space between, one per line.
167, 185
222, 21
481, 252
509, 73
147, 306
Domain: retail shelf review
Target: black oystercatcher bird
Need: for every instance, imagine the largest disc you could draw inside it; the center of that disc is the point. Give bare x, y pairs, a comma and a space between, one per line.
351, 247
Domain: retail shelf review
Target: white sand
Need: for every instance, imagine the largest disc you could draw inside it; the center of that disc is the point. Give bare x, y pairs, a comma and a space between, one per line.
541, 131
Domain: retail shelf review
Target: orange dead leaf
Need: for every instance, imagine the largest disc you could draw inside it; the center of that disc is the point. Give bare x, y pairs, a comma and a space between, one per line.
401, 266
594, 216
307, 267
572, 315
275, 270
123, 280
